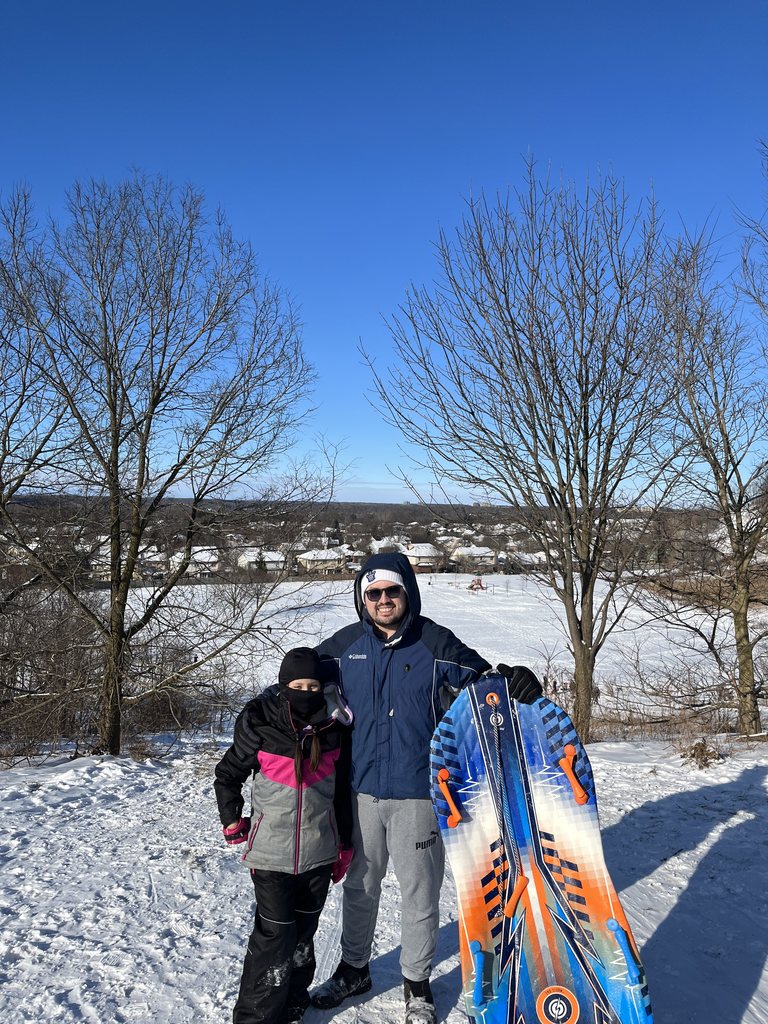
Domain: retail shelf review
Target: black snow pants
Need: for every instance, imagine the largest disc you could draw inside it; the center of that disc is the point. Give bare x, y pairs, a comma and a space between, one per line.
280, 961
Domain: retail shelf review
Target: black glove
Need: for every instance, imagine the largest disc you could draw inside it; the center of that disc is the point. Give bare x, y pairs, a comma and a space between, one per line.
522, 684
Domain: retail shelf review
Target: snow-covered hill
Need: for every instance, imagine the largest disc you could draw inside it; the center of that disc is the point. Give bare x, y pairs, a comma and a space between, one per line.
120, 903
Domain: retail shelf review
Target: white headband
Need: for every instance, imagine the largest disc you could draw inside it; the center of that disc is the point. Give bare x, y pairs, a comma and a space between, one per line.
377, 576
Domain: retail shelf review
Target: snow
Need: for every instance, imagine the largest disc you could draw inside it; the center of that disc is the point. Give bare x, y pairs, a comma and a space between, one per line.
120, 902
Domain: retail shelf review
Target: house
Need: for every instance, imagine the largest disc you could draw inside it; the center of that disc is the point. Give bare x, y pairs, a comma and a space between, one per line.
96, 552
152, 563
528, 561
322, 560
353, 557
259, 560
423, 557
473, 555
203, 562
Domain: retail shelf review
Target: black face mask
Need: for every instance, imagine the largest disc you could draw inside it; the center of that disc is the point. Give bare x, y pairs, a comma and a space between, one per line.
305, 703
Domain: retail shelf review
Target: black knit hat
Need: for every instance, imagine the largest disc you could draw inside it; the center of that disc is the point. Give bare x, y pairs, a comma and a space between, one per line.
300, 663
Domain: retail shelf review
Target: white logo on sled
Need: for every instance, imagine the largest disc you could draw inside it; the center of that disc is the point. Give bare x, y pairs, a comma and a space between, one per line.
558, 1009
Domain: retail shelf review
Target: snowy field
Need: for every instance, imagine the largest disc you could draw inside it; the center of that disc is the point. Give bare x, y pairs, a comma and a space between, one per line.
119, 901
515, 620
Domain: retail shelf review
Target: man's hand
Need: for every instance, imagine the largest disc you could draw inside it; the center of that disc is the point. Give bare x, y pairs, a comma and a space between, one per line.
237, 832
522, 684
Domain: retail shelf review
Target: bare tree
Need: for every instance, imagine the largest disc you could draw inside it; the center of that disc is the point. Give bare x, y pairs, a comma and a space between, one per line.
533, 374
722, 401
145, 363
690, 598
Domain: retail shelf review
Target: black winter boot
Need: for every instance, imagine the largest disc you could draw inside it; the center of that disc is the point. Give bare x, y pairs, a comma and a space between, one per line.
419, 1004
345, 981
297, 1005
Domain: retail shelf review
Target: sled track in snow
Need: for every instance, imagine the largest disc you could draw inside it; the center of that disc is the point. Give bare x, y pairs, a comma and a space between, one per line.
327, 954
327, 942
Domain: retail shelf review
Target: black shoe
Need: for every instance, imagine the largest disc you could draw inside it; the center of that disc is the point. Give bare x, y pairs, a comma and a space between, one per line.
345, 981
419, 1004
297, 1006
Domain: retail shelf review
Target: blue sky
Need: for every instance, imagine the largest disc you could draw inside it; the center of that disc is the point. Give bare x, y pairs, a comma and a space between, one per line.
339, 137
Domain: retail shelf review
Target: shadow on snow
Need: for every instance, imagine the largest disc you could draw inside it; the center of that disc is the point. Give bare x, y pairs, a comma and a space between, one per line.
704, 961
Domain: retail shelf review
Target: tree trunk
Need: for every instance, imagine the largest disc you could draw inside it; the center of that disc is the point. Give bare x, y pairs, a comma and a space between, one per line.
748, 710
583, 671
579, 614
110, 712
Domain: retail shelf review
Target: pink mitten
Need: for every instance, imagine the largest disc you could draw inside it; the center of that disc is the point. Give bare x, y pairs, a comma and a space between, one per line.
237, 833
339, 869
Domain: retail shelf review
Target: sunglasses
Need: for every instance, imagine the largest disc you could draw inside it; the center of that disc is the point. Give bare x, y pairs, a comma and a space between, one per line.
374, 594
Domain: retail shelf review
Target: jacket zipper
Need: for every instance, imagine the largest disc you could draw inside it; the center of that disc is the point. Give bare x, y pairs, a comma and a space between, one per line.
299, 791
389, 713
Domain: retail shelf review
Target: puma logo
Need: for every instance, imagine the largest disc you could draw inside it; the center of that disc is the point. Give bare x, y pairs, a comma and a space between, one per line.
426, 843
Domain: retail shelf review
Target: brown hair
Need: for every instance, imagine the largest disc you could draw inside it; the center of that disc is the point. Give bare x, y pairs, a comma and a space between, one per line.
298, 757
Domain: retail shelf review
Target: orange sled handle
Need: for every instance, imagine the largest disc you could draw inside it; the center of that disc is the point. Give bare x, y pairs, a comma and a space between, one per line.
442, 780
566, 763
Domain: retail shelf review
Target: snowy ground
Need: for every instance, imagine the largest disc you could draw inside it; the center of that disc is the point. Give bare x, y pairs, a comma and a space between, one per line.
120, 903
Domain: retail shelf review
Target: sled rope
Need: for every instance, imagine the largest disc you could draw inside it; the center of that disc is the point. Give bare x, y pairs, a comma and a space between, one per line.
506, 907
493, 701
514, 899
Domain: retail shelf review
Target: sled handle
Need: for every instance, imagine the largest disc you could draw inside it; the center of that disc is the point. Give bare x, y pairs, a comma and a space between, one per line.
633, 972
454, 817
580, 795
511, 905
478, 956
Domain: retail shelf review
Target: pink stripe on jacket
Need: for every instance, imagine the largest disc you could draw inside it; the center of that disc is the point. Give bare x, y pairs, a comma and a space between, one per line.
279, 768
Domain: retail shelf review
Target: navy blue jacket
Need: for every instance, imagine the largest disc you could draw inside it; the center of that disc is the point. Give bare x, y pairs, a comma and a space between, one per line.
397, 689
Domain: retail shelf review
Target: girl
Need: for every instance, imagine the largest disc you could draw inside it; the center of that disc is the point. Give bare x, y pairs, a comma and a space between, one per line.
294, 737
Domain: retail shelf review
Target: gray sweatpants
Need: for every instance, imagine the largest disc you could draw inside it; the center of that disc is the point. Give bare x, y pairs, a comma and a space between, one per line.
406, 831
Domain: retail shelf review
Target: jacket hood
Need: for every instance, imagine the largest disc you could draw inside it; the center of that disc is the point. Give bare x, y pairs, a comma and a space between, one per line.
396, 562
277, 712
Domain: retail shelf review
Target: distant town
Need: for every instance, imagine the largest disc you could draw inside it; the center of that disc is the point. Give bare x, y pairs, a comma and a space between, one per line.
242, 541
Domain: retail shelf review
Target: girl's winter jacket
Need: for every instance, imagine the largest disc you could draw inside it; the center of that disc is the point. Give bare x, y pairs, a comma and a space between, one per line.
294, 828
398, 689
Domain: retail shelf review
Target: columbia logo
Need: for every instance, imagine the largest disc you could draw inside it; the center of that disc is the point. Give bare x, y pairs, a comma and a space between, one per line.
358, 657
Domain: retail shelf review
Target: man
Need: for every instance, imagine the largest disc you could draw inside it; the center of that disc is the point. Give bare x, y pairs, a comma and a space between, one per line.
399, 672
